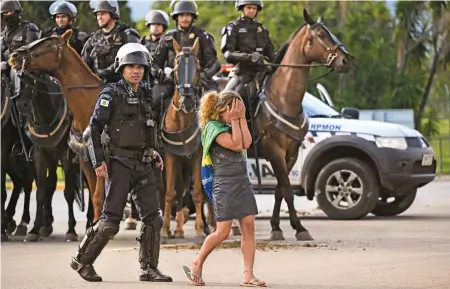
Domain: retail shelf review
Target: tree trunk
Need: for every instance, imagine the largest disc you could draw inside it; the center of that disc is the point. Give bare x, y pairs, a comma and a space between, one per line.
426, 92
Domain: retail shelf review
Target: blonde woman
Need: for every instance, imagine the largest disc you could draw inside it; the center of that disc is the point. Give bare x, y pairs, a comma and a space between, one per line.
225, 136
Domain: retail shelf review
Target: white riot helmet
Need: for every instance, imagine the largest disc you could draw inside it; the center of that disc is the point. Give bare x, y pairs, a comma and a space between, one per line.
132, 53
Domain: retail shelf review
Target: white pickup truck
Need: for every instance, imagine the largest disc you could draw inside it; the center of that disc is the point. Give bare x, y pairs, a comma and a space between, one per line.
354, 167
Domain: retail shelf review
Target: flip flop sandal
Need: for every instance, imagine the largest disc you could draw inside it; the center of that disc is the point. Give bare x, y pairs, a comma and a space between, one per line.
254, 283
190, 277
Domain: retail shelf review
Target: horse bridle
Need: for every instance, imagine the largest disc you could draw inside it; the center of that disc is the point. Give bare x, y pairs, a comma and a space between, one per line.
181, 100
55, 47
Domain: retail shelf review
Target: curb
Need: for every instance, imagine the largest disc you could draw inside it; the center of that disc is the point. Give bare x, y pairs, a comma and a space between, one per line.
60, 185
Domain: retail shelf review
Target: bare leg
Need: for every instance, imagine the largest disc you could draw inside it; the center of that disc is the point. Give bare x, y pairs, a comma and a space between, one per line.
211, 242
248, 247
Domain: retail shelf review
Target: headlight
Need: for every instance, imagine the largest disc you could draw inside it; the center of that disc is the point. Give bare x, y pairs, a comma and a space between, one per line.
392, 143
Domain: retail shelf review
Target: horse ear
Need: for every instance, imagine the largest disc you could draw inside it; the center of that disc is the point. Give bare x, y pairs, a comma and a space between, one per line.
66, 36
176, 46
196, 46
320, 20
308, 18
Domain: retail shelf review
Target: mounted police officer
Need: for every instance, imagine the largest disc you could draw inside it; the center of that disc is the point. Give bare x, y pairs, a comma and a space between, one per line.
64, 14
16, 33
246, 42
184, 13
124, 110
157, 21
102, 46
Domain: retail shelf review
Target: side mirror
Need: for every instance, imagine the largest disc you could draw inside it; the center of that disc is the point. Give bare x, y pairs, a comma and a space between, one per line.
351, 112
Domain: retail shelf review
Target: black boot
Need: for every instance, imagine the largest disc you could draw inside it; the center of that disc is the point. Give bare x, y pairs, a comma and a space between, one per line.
96, 238
149, 255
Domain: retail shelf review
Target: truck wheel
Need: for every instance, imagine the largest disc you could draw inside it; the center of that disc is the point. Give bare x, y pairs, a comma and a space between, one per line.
347, 189
397, 206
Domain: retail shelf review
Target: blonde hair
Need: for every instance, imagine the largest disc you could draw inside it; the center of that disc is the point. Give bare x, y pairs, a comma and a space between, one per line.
212, 104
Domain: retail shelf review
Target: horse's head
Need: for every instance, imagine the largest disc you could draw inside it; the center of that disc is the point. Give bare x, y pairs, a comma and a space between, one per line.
186, 74
323, 47
41, 55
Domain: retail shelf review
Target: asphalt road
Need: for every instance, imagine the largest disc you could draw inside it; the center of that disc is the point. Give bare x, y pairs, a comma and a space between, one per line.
408, 251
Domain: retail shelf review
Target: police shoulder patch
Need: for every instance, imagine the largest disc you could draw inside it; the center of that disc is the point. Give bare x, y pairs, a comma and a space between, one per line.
104, 102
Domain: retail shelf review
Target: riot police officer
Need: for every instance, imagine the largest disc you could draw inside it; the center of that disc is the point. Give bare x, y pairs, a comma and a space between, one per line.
245, 42
184, 13
124, 110
157, 21
16, 33
64, 14
102, 46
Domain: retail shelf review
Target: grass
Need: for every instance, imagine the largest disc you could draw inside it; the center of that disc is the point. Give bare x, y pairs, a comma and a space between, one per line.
441, 147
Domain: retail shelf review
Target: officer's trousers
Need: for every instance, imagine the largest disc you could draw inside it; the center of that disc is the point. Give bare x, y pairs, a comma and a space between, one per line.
121, 180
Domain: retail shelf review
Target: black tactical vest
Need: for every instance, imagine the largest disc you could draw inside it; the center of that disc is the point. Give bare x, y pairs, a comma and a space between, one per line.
77, 39
250, 36
185, 39
16, 37
132, 125
150, 44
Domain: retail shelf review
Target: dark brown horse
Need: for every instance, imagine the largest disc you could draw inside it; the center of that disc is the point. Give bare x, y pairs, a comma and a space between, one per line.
181, 139
280, 122
80, 88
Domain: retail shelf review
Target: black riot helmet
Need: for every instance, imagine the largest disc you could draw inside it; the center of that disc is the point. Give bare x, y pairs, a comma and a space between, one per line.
111, 6
241, 3
157, 17
183, 6
11, 5
63, 7
132, 53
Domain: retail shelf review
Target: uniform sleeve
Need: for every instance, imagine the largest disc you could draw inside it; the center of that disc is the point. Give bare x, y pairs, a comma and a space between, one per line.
228, 45
161, 55
269, 51
4, 50
32, 33
99, 120
86, 53
211, 63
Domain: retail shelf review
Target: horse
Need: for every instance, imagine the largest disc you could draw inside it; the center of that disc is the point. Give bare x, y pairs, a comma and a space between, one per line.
15, 164
280, 124
180, 136
80, 89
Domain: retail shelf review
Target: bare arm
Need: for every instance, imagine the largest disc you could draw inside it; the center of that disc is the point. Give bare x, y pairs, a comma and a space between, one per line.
246, 136
233, 140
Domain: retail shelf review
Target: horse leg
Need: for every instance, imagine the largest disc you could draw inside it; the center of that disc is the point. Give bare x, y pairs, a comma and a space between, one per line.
236, 231
71, 176
41, 166
90, 212
197, 197
131, 221
171, 174
96, 188
51, 183
180, 190
4, 236
27, 188
11, 209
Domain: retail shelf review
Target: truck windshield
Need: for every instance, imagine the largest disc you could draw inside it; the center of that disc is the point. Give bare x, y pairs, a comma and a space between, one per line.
314, 107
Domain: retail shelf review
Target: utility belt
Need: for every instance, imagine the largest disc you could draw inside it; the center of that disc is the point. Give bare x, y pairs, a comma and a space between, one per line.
145, 155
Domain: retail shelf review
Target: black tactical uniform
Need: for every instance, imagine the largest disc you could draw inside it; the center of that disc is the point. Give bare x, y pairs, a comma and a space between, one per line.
16, 33
165, 54
101, 48
78, 37
128, 120
246, 42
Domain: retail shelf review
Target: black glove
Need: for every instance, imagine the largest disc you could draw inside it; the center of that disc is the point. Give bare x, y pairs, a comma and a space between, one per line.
256, 57
105, 73
160, 76
203, 79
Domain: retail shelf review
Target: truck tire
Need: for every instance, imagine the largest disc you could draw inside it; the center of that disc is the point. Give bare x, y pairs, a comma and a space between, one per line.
347, 179
398, 206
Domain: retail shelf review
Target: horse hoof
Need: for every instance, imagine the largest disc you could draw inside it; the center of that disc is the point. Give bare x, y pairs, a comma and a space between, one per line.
11, 227
21, 231
46, 231
207, 231
199, 240
276, 236
164, 240
178, 235
71, 237
304, 236
5, 238
236, 231
130, 225
31, 238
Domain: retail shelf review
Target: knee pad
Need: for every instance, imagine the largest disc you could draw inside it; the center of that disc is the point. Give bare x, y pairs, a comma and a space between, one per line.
108, 229
155, 220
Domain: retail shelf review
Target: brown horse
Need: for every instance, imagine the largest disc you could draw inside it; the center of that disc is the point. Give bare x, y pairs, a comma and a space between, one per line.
181, 139
80, 87
280, 122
